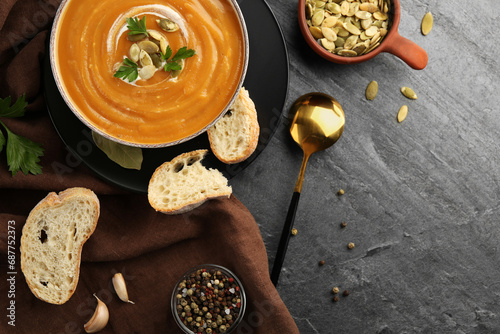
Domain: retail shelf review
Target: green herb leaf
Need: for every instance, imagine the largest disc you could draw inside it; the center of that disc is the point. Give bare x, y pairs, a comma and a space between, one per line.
16, 110
126, 156
168, 53
22, 154
173, 66
2, 141
137, 26
183, 53
175, 63
129, 70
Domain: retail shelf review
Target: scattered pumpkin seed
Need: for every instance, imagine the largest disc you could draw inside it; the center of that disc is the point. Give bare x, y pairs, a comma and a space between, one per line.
136, 38
339, 20
134, 52
148, 46
371, 90
403, 111
409, 93
427, 23
147, 72
167, 25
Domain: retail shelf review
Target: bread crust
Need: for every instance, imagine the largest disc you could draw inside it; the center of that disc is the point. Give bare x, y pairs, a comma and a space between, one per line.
188, 206
252, 120
51, 200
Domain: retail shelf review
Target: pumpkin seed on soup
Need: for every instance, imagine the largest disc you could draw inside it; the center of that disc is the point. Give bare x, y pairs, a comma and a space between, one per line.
167, 25
136, 38
134, 52
156, 59
148, 46
147, 72
145, 58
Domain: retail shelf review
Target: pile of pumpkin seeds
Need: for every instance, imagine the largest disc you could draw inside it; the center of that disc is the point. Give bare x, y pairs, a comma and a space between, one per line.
348, 27
146, 49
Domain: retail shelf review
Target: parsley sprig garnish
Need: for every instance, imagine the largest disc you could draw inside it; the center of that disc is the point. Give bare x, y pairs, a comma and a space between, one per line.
128, 70
22, 153
137, 26
174, 64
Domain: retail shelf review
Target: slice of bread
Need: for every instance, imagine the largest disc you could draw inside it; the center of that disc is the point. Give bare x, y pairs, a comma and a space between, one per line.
184, 183
235, 135
52, 241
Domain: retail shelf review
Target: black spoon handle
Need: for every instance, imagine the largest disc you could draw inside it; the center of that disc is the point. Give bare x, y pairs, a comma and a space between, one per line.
285, 237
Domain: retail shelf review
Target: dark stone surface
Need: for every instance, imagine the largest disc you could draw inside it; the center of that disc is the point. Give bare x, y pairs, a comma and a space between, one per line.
422, 198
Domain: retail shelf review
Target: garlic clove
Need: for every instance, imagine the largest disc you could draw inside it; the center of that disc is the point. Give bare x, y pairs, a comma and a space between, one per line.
121, 288
99, 318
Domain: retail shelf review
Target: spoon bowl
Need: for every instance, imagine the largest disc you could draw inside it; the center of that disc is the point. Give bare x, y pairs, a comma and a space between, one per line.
316, 123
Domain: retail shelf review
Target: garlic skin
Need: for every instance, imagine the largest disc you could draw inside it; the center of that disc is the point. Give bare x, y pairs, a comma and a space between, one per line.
99, 318
121, 288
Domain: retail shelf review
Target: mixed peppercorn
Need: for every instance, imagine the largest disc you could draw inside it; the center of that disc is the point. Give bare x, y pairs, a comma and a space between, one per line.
208, 301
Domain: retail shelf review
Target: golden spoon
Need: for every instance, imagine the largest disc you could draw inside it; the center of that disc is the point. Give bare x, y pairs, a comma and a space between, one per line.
317, 122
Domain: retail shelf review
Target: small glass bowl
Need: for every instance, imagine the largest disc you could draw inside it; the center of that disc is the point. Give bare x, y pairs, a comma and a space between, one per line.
181, 289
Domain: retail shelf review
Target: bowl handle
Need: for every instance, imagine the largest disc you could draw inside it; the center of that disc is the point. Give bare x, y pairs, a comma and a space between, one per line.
408, 51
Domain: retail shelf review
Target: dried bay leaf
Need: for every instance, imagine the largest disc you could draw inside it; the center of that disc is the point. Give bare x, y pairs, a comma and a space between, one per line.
126, 156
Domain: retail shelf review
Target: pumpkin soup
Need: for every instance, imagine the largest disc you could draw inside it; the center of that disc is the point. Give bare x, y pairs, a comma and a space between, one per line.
91, 40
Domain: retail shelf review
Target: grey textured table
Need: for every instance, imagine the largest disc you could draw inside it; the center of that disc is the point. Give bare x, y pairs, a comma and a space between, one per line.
421, 197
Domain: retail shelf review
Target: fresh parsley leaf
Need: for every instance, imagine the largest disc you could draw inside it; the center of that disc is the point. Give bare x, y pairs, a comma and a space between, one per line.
22, 154
175, 63
136, 26
16, 110
2, 141
173, 66
183, 53
168, 53
129, 70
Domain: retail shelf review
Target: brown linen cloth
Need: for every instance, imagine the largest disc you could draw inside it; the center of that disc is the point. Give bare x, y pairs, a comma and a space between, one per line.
150, 249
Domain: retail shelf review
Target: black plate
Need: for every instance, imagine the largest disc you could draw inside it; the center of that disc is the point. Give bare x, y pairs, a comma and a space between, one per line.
266, 81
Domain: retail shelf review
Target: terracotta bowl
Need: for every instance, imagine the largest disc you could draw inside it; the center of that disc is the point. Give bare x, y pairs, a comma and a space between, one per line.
394, 43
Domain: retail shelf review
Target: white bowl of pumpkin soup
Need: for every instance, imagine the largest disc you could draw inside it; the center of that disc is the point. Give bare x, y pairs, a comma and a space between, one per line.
149, 73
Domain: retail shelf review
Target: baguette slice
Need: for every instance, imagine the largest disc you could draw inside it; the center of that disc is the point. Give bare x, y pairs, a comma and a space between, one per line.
52, 241
184, 183
234, 137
